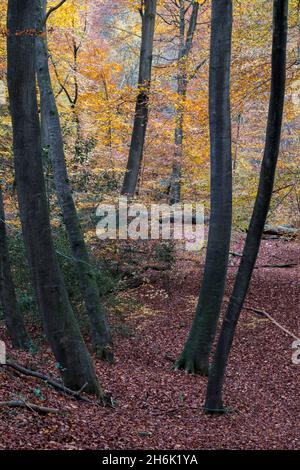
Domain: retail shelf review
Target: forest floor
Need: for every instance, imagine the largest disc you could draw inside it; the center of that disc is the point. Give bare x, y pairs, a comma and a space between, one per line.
157, 408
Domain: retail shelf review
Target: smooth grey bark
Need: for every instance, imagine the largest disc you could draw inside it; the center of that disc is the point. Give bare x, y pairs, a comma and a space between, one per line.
195, 355
185, 45
87, 279
58, 319
214, 401
239, 121
12, 315
148, 14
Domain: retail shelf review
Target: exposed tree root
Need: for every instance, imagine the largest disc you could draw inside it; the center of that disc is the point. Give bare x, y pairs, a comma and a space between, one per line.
190, 366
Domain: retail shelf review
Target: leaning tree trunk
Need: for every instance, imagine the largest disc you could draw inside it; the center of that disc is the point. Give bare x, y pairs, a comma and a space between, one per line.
214, 402
99, 327
12, 315
141, 109
195, 355
59, 323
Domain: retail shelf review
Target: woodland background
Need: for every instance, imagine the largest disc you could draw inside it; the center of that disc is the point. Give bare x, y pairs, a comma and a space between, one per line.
96, 90
150, 289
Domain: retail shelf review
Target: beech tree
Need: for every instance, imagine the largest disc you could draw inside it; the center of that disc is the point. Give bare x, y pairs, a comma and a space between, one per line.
185, 46
195, 355
214, 402
12, 315
148, 15
58, 319
50, 117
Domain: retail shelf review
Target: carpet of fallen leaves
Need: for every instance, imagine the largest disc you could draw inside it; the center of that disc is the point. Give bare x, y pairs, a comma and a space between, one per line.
157, 408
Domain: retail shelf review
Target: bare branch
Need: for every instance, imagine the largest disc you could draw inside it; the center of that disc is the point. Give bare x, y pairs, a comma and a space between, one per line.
53, 9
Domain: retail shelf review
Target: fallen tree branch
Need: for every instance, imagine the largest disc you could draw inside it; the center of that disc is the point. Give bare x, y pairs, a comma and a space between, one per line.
30, 406
263, 313
266, 314
234, 253
286, 265
53, 383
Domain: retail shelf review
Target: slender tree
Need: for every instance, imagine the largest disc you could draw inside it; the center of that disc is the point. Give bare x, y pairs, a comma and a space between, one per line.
195, 355
88, 283
185, 46
59, 322
148, 15
71, 92
214, 402
12, 315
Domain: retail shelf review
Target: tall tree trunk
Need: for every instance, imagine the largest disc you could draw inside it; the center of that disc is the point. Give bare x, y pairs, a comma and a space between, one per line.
135, 157
12, 315
179, 116
185, 45
239, 121
214, 402
59, 322
78, 139
99, 327
195, 356
109, 123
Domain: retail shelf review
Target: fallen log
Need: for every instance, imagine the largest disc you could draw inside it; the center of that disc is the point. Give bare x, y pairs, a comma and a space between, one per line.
280, 265
261, 266
286, 265
281, 231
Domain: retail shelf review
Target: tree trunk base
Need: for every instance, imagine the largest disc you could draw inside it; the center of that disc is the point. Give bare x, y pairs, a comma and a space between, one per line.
192, 365
215, 409
105, 353
22, 343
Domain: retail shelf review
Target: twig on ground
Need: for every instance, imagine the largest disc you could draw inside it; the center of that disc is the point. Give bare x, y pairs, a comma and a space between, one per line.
30, 406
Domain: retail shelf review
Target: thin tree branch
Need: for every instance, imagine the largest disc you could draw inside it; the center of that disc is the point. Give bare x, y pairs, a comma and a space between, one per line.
266, 314
53, 9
